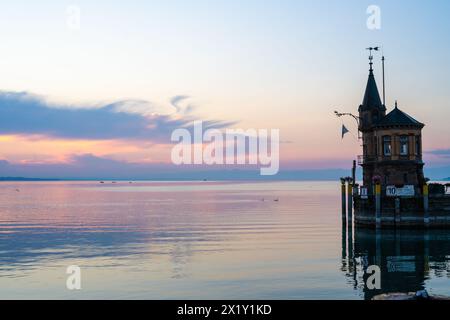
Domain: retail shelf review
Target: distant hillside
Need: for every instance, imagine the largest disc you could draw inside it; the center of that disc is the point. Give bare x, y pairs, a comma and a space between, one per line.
24, 179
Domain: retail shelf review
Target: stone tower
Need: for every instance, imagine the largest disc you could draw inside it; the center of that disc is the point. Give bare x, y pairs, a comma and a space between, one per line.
392, 143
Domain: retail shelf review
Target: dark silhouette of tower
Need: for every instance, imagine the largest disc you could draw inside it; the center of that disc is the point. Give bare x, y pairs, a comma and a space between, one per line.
392, 143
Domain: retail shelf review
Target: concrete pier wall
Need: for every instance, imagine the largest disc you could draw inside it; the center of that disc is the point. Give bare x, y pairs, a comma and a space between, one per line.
411, 212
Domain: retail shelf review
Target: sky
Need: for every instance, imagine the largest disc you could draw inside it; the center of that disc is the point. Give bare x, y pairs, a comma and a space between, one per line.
78, 97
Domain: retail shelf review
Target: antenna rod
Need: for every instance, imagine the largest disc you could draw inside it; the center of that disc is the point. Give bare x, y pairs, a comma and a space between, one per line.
384, 90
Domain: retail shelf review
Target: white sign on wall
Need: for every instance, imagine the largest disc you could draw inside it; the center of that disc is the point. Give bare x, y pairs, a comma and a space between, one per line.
364, 193
406, 191
391, 191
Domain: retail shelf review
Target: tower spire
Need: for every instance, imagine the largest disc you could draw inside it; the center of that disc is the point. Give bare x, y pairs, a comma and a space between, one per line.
372, 100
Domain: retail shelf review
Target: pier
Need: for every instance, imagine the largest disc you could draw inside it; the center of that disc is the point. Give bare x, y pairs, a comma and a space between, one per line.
381, 211
394, 191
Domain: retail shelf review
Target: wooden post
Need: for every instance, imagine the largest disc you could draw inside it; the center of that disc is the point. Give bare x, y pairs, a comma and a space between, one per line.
397, 210
344, 200
350, 242
344, 241
354, 172
378, 205
426, 213
426, 252
398, 242
378, 247
350, 202
350, 220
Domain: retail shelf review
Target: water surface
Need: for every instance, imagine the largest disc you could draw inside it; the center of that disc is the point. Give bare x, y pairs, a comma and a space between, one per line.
202, 240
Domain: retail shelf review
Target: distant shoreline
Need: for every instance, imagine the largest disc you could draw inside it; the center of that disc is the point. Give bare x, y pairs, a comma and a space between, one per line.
25, 179
19, 179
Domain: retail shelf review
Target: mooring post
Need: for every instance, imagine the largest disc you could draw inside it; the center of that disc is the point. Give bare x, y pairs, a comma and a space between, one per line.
350, 222
426, 213
378, 205
398, 242
426, 252
350, 243
354, 172
344, 201
350, 202
344, 241
397, 211
378, 246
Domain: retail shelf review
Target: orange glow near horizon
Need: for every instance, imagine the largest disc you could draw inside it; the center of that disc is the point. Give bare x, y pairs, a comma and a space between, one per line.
35, 149
46, 150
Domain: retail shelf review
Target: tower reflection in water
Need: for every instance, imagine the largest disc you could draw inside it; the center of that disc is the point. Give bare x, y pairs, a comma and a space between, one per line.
407, 258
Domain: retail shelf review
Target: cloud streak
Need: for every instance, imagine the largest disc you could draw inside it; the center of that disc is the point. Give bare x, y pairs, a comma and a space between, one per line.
28, 114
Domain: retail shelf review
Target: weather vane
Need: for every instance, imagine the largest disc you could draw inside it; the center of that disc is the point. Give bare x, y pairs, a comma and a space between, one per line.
371, 56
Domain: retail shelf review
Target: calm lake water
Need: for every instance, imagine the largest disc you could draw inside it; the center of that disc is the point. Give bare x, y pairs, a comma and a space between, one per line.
202, 240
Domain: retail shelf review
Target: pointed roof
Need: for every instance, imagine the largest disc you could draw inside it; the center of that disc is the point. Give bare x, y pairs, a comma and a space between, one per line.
371, 96
398, 118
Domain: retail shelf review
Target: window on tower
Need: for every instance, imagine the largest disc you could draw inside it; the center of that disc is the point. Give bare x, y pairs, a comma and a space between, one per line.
404, 145
387, 146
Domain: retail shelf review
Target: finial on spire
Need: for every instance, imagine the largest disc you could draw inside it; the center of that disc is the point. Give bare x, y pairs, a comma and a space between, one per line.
396, 105
371, 57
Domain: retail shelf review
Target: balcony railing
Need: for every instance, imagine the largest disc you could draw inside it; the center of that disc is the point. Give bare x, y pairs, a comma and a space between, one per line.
362, 159
365, 159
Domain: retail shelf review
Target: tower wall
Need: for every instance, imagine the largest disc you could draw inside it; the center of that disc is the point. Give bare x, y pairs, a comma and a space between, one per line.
396, 168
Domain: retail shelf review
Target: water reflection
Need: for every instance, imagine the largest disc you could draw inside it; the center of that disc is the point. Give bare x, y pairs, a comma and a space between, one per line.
408, 259
231, 242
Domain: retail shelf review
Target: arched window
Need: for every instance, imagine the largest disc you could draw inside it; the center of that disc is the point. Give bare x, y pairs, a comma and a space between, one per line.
387, 145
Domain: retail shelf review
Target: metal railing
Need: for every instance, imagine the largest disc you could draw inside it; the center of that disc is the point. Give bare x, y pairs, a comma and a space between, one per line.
362, 159
365, 159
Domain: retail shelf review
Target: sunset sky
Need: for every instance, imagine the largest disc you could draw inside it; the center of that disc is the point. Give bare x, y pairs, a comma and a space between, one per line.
110, 92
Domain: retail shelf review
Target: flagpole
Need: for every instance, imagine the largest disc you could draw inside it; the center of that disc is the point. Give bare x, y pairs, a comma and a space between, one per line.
384, 90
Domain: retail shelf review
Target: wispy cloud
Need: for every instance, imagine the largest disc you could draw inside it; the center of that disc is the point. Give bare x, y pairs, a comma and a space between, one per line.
176, 102
29, 114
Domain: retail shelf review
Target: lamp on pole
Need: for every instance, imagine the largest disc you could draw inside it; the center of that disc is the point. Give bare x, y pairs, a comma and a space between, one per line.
357, 119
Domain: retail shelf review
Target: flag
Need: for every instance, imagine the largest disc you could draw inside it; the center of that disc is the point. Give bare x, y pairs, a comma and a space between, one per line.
344, 131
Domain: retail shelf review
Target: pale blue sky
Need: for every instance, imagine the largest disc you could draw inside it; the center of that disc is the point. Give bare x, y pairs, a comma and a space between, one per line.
271, 64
